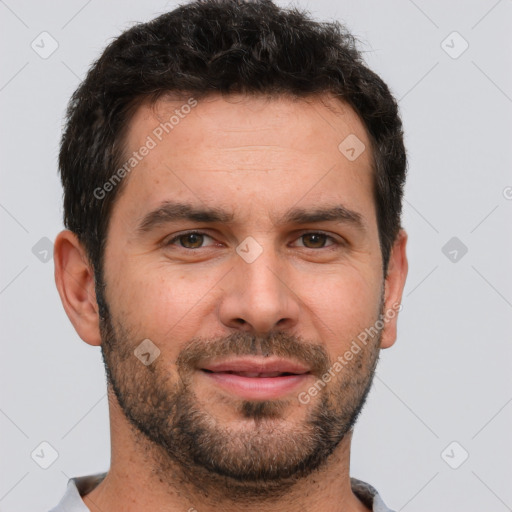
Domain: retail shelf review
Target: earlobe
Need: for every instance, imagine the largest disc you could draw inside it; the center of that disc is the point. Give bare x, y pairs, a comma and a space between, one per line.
74, 277
394, 286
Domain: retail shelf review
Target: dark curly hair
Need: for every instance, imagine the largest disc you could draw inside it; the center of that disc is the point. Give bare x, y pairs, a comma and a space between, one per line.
220, 46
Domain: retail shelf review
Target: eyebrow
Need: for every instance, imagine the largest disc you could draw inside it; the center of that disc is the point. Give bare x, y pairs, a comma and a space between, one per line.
170, 211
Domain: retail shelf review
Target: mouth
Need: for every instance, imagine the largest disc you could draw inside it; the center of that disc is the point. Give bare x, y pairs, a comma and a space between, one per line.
255, 378
255, 374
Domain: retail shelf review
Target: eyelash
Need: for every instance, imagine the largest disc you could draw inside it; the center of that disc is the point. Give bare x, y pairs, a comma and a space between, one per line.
328, 237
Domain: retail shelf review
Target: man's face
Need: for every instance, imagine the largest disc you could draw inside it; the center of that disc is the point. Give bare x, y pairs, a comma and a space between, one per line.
254, 308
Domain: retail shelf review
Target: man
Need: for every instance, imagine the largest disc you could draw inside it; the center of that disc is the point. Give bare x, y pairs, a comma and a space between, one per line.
233, 179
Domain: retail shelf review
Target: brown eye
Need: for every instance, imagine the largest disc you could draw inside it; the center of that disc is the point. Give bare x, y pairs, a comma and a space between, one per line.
192, 240
315, 240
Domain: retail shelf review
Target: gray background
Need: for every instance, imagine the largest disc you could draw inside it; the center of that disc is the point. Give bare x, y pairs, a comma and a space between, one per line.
448, 376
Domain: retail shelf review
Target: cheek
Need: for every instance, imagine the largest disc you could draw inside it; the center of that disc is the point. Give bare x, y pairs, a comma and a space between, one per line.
157, 303
344, 304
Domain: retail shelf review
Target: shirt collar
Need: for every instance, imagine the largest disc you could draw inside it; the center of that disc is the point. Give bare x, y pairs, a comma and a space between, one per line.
80, 486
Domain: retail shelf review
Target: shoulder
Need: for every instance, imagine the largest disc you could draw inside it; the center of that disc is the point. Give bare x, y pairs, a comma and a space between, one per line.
368, 495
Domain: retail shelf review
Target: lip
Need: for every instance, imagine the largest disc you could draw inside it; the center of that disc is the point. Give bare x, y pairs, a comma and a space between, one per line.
251, 386
256, 365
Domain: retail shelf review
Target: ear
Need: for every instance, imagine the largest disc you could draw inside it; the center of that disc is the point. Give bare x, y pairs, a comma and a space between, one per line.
394, 286
74, 278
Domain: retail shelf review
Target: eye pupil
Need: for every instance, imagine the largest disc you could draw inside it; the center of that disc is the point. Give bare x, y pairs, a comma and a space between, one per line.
194, 238
316, 238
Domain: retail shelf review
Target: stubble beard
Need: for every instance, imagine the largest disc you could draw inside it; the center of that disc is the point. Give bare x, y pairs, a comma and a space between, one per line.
186, 444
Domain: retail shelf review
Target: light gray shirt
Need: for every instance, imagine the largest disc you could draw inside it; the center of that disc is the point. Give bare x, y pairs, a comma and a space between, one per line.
80, 486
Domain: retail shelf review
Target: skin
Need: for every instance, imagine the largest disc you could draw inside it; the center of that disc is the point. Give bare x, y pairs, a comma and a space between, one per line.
256, 158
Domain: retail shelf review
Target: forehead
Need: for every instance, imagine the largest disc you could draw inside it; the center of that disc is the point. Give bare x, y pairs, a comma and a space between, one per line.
224, 121
247, 151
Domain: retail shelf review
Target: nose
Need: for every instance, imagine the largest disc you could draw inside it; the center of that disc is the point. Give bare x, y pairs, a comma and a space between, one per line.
258, 297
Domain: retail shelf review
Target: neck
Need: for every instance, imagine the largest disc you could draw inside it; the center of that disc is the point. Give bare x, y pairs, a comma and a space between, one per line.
142, 477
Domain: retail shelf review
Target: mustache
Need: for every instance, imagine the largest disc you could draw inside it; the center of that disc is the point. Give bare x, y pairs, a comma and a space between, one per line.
279, 344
